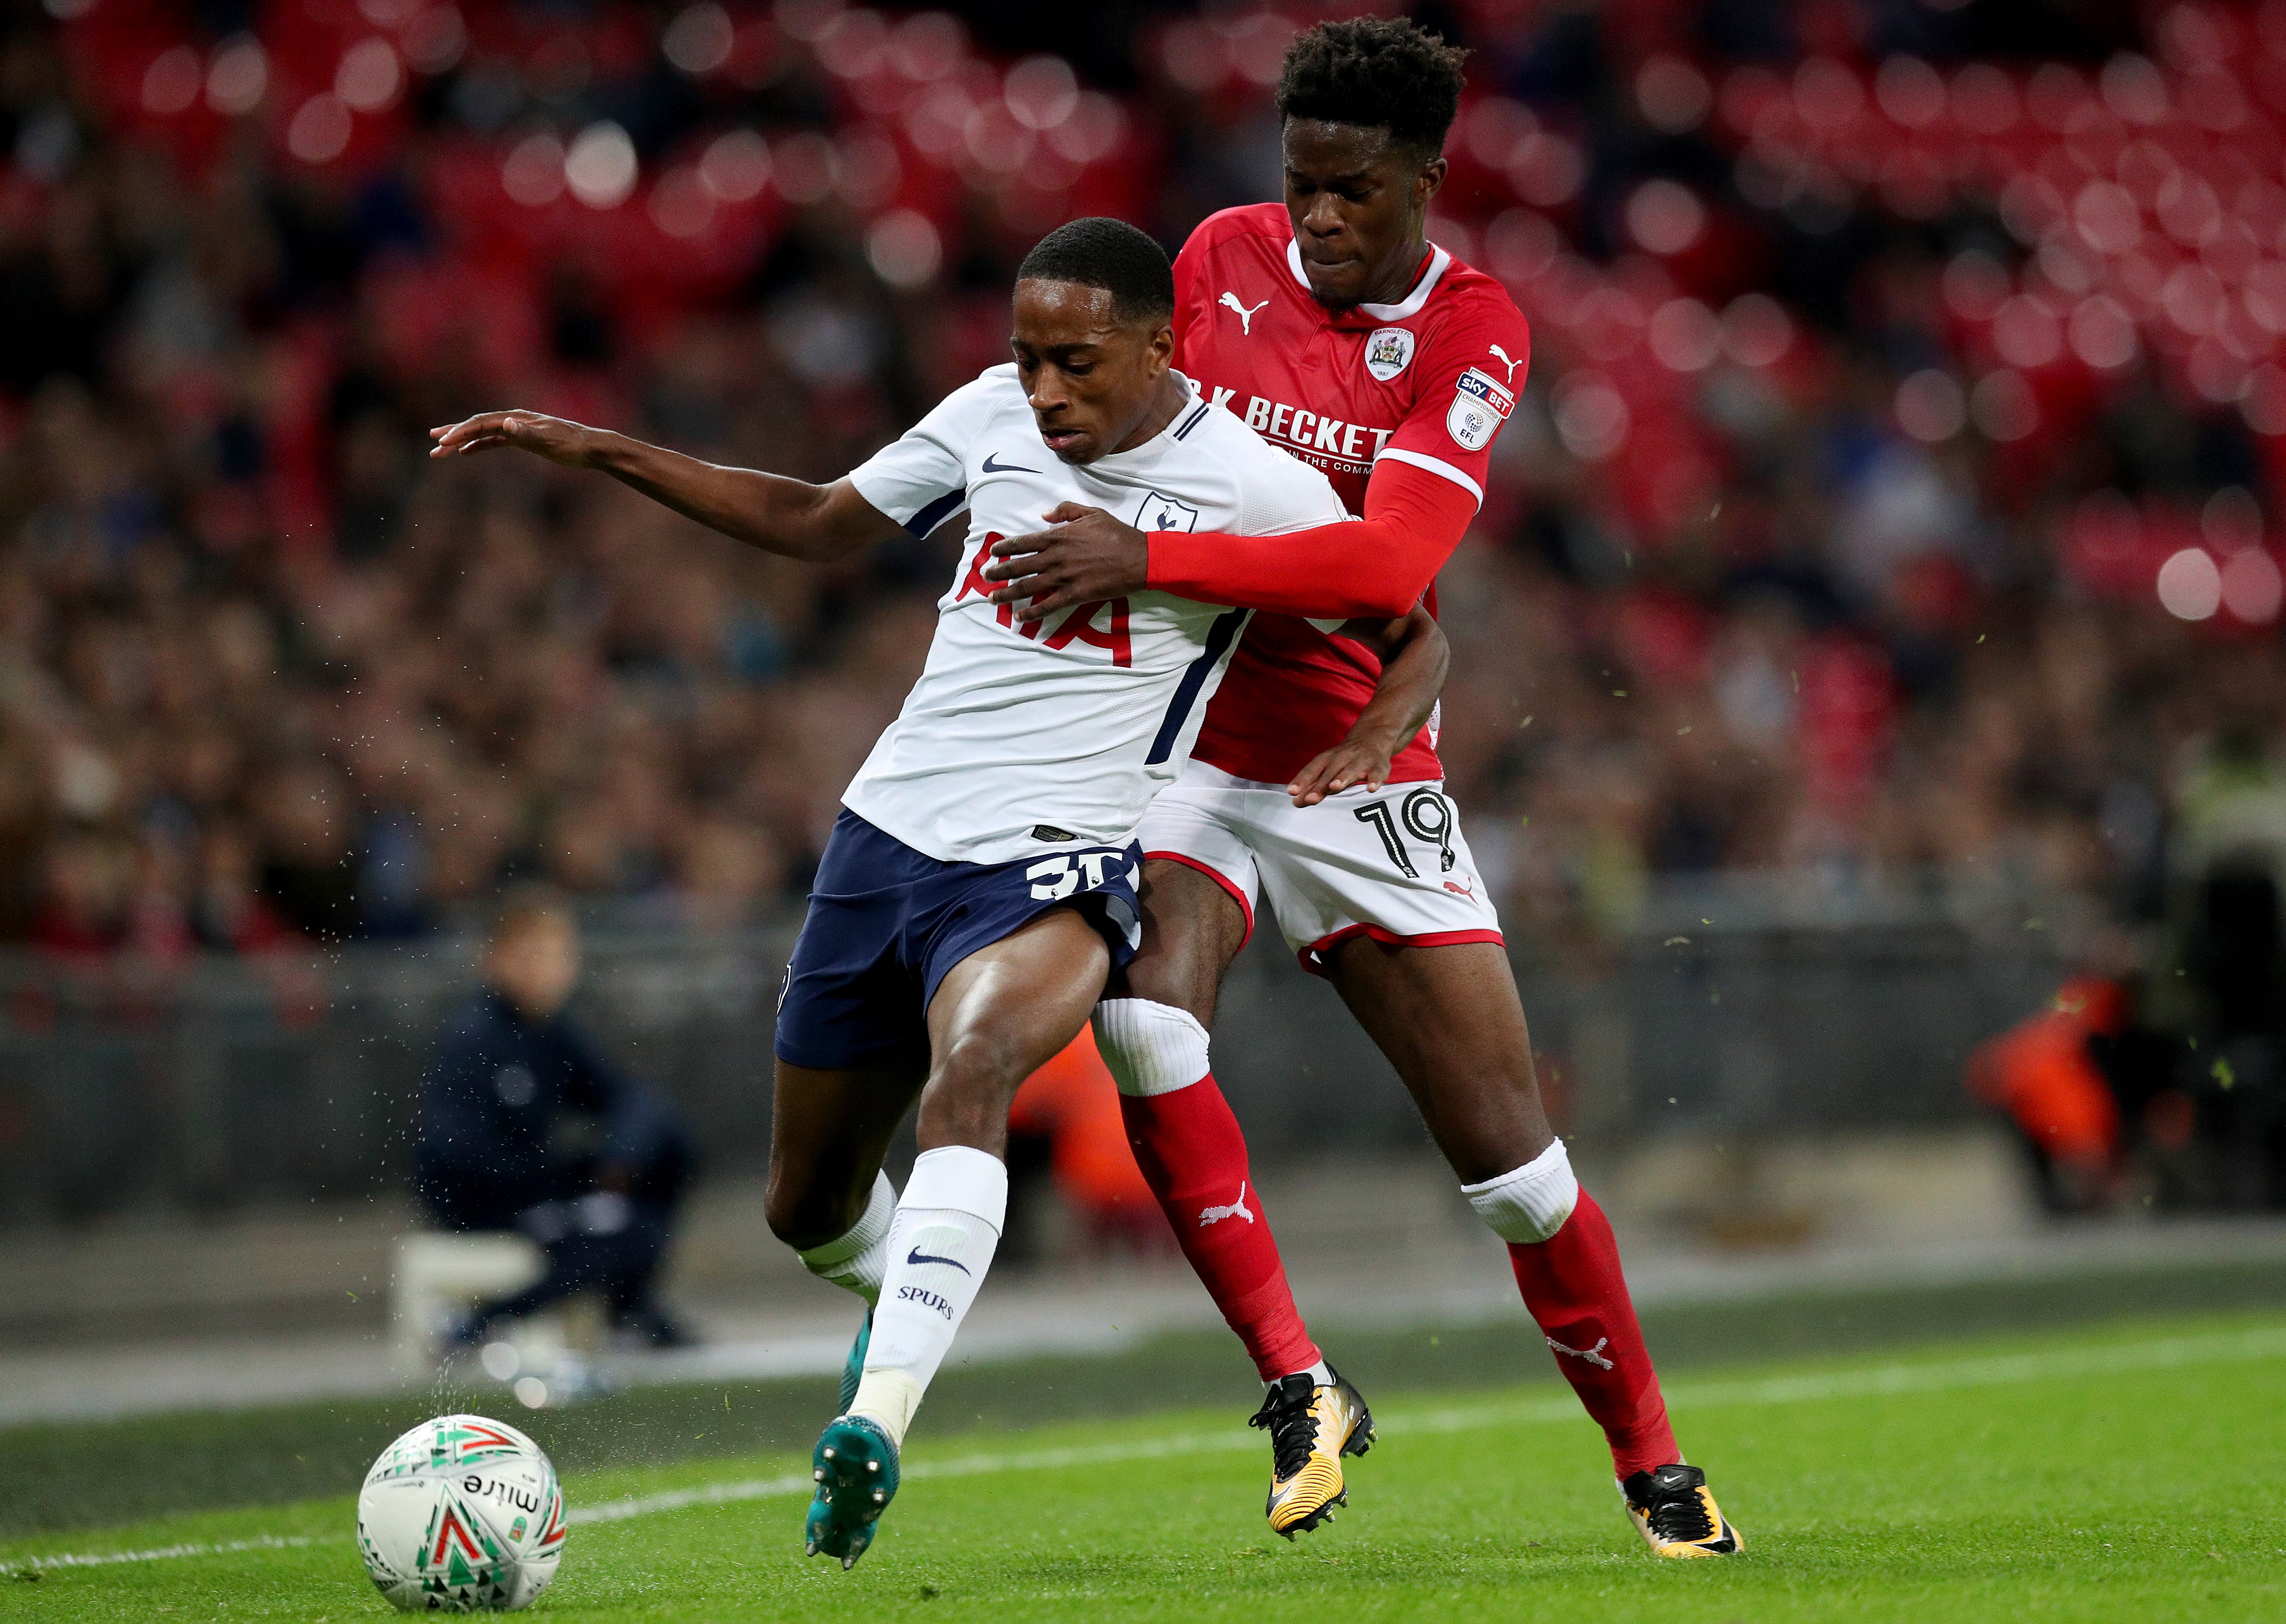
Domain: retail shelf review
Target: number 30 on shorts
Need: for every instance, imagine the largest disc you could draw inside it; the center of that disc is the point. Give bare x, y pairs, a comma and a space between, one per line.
1426, 815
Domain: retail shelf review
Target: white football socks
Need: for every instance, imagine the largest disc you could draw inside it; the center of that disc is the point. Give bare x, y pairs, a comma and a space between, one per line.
856, 1261
941, 1244
1528, 1204
1149, 1048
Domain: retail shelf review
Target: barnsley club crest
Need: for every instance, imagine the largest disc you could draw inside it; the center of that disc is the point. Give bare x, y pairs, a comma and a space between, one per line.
1387, 351
1166, 513
1479, 407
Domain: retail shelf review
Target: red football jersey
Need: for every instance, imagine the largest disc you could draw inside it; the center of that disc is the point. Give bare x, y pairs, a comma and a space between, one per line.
1428, 381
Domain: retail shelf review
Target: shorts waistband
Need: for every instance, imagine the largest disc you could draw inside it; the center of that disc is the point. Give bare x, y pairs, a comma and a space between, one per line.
1207, 775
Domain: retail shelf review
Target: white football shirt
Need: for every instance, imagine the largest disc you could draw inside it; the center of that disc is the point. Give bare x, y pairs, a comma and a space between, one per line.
1019, 739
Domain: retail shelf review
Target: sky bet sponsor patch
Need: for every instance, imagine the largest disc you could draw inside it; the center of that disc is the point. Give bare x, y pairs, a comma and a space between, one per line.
1480, 406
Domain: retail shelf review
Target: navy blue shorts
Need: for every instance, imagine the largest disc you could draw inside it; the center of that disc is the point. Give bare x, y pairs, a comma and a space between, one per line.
887, 922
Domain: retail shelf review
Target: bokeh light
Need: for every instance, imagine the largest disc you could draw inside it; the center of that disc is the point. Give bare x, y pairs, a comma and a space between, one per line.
699, 39
2190, 584
904, 249
2252, 586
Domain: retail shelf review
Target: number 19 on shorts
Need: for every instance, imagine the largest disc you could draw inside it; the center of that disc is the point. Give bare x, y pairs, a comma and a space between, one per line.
1424, 814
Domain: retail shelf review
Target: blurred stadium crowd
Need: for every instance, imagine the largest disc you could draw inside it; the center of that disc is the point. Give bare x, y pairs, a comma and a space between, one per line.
1890, 493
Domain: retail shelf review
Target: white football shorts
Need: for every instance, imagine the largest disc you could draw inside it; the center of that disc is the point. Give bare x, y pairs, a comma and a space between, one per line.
1389, 864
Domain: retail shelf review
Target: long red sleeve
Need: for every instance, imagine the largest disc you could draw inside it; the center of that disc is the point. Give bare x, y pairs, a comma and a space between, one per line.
1375, 567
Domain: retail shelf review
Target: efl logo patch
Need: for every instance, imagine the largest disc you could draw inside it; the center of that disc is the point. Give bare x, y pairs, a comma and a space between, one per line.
1387, 350
1480, 406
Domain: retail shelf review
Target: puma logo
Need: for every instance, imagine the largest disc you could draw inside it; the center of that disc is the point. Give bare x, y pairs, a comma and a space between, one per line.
1237, 1209
1594, 1356
1245, 316
1512, 363
1458, 889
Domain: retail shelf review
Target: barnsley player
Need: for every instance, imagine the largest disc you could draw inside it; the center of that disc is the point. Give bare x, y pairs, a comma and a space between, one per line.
1337, 330
979, 881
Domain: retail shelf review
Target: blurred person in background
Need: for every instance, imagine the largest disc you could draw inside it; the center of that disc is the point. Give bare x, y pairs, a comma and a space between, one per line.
2227, 854
82, 896
2045, 1076
226, 909
494, 1151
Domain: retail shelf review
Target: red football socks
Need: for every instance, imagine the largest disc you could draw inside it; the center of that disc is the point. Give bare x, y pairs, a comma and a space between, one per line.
1572, 1284
1194, 1157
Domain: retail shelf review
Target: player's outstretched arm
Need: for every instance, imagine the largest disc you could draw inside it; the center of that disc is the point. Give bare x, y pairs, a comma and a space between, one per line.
1374, 568
790, 517
1415, 657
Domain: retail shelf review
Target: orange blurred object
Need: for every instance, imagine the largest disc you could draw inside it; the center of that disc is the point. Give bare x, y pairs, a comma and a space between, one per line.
1073, 1103
2040, 1072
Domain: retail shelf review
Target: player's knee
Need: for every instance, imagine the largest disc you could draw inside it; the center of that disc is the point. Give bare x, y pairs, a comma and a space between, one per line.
1150, 1048
792, 1225
972, 1081
979, 1061
806, 1214
1530, 1203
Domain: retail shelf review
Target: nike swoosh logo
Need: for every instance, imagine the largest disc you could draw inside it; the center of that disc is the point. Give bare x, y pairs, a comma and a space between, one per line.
917, 1256
1004, 468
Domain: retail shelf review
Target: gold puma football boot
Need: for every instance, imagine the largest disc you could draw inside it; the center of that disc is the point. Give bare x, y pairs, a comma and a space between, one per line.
1676, 1515
1312, 1425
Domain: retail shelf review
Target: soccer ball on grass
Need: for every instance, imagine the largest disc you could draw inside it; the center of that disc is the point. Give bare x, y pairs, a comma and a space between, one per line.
461, 1515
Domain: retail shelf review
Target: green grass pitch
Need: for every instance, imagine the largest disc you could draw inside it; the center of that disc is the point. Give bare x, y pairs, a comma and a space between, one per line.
2128, 1473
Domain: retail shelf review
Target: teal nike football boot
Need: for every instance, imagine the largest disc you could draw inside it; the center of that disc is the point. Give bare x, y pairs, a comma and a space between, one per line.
854, 1466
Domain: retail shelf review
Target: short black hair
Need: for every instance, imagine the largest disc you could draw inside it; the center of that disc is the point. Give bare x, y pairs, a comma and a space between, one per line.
1098, 252
1376, 72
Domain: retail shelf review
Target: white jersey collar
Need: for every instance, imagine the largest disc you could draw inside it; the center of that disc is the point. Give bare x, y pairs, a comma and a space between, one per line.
1410, 305
1150, 449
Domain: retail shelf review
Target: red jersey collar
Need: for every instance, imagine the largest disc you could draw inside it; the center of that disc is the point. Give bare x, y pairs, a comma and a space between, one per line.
1408, 306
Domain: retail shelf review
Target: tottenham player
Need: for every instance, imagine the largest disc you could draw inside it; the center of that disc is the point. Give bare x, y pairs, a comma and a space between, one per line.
1338, 331
979, 881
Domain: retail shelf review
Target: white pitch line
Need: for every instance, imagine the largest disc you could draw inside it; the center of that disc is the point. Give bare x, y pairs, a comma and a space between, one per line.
1999, 1370
2002, 1370
684, 1499
268, 1541
961, 1466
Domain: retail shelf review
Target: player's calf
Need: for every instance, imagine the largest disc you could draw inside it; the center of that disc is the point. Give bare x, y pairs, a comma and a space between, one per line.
941, 1246
856, 1261
1194, 1157
940, 1242
1567, 1269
